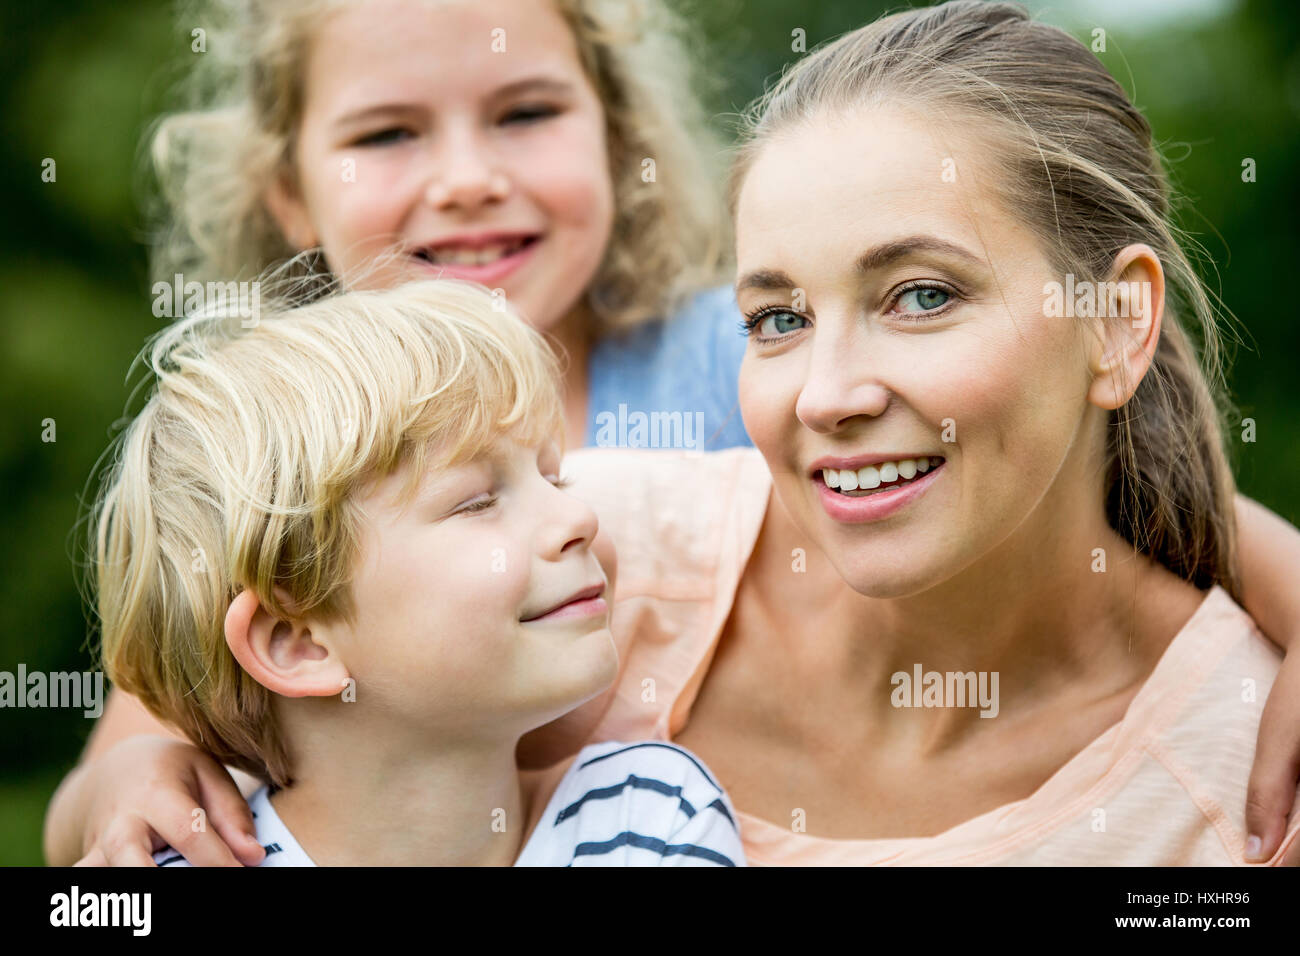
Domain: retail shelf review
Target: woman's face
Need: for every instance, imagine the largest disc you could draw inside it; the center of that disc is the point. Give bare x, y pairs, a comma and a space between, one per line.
901, 343
465, 137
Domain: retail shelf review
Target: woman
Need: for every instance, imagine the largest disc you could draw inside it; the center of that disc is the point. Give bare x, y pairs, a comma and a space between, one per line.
775, 635
967, 484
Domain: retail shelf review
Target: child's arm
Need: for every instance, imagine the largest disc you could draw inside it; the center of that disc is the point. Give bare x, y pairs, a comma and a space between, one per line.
1270, 591
137, 787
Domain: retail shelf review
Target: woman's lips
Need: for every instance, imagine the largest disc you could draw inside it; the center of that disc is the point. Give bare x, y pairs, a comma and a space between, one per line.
877, 505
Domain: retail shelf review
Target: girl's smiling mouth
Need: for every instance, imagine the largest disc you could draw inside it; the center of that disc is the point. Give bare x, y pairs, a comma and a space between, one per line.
484, 259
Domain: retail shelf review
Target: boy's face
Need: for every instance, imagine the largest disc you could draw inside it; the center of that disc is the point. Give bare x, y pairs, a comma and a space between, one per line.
463, 135
480, 605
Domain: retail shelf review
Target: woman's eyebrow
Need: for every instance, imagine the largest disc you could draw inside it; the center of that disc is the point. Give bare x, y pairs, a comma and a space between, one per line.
766, 279
890, 252
875, 258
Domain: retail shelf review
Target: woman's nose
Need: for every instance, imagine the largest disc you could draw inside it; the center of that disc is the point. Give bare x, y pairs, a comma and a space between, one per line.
841, 383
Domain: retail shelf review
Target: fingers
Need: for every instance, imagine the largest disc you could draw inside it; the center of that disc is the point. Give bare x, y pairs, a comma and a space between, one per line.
228, 814
1292, 855
127, 842
1276, 771
94, 858
172, 816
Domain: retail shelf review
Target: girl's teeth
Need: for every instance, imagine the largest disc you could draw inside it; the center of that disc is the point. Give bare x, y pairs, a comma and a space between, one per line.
873, 476
484, 255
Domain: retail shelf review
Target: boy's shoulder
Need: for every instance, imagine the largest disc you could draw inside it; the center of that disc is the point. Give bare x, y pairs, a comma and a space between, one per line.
650, 803
281, 847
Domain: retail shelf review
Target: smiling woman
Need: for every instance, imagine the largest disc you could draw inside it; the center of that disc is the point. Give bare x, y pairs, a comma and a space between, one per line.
958, 485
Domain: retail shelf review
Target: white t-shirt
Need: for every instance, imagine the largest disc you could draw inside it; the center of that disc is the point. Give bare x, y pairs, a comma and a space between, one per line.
642, 804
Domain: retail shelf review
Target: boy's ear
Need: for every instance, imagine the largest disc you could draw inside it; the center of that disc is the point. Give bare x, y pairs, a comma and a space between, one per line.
1130, 308
282, 656
284, 202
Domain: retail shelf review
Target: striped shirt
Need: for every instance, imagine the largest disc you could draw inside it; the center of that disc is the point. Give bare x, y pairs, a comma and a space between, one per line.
639, 804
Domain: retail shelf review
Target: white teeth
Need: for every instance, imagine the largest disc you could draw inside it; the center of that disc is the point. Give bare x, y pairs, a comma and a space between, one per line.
873, 476
479, 256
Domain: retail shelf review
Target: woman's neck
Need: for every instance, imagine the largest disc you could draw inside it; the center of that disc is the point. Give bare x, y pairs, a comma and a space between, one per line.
1031, 618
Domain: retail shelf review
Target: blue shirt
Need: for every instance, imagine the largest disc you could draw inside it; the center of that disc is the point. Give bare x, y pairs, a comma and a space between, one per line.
670, 383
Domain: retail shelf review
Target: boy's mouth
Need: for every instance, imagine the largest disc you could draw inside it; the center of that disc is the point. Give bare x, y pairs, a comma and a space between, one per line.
587, 601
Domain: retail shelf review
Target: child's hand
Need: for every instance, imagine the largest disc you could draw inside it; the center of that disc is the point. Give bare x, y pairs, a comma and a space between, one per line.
142, 795
1274, 775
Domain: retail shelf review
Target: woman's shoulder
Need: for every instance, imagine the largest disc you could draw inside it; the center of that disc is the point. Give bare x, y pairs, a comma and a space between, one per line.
672, 514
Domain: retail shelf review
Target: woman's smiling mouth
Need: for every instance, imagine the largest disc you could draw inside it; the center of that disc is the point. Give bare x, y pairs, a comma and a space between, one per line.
870, 489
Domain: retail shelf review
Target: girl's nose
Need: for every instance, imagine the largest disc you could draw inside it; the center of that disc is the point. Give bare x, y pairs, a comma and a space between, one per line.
466, 179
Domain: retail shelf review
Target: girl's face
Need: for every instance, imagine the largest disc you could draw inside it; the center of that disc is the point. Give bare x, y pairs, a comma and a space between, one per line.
900, 352
464, 136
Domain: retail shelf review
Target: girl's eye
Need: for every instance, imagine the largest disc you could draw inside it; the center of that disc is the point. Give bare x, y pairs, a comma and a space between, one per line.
767, 324
558, 481
528, 114
924, 298
384, 137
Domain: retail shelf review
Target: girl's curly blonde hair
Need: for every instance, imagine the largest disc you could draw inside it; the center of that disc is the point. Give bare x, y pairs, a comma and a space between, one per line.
242, 102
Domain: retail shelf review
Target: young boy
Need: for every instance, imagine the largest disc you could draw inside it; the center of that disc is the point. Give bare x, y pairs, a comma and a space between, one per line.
333, 551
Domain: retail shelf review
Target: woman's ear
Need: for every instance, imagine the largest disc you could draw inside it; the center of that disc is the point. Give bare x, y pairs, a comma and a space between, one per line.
284, 202
283, 656
1130, 306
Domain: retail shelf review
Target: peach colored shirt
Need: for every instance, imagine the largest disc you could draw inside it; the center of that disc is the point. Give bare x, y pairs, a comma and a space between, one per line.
1164, 786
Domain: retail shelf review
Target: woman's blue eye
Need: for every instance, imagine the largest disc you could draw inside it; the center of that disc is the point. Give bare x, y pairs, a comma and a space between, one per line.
927, 299
774, 324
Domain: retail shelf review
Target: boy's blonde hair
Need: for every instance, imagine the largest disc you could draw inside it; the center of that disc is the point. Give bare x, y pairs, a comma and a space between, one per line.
242, 472
215, 159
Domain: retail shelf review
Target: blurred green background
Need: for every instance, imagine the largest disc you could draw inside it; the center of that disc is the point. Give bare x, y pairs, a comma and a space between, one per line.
1220, 81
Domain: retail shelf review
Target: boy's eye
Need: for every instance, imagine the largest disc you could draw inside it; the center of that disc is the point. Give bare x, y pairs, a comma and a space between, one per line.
479, 505
528, 114
384, 137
